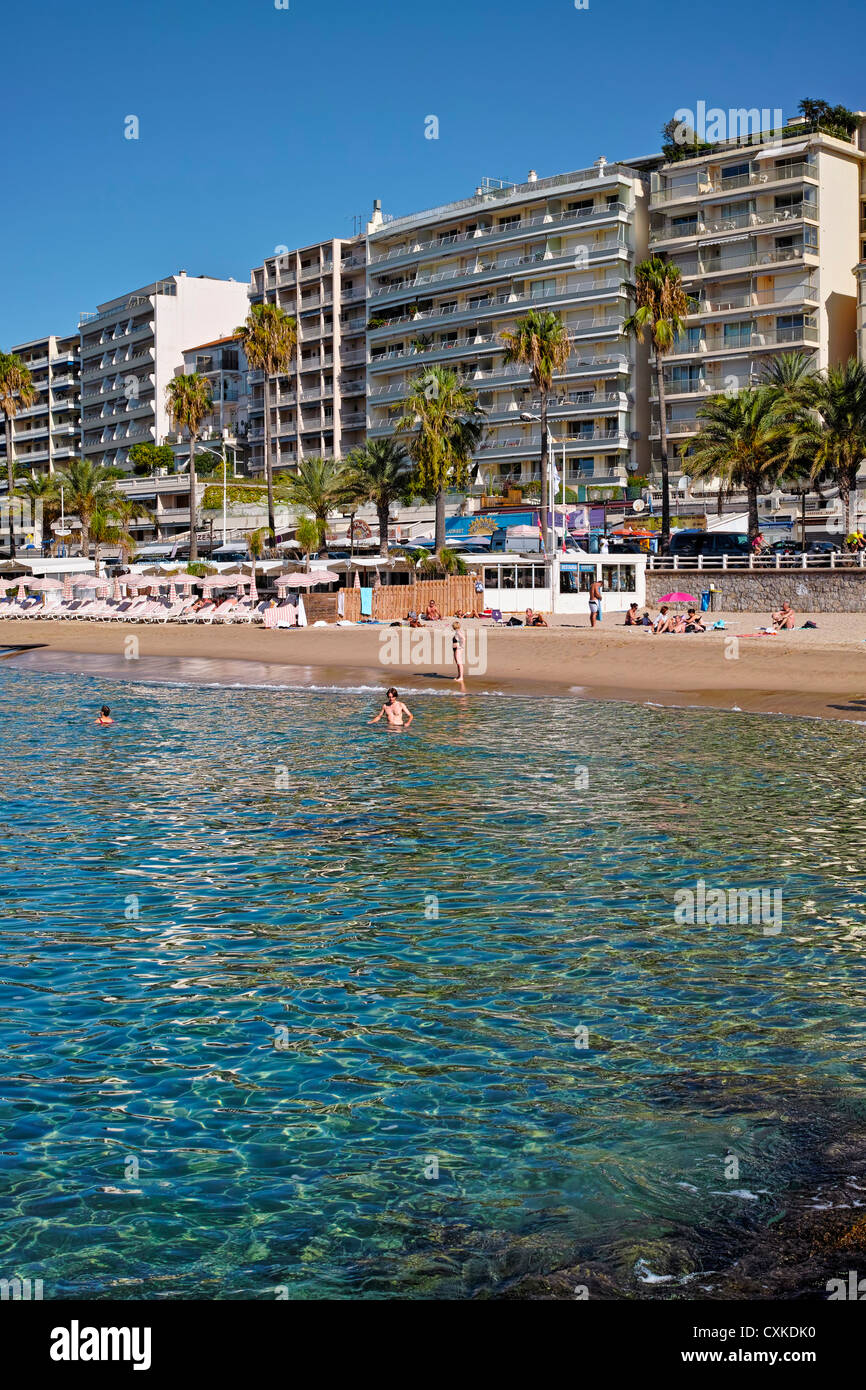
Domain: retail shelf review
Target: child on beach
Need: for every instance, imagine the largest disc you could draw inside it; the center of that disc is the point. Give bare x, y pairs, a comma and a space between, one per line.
104, 716
394, 710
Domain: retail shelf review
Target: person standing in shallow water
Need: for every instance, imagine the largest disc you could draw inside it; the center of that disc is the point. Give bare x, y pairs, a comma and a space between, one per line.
458, 646
104, 716
394, 710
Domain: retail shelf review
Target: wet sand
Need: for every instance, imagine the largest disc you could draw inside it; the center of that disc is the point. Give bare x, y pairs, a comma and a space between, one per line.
817, 672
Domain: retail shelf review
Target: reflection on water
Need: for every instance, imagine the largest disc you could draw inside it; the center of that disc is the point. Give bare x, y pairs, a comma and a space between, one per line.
292, 1002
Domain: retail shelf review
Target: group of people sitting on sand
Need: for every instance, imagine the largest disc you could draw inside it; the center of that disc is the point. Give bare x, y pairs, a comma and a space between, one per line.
691, 620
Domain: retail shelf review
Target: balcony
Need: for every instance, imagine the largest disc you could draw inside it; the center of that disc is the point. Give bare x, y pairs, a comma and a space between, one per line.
491, 304
743, 221
493, 270
542, 222
708, 186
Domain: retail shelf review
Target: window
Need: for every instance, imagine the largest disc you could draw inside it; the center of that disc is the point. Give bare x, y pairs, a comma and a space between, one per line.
735, 171
687, 378
789, 327
810, 238
738, 334
618, 579
612, 199
541, 289
582, 208
684, 226
512, 221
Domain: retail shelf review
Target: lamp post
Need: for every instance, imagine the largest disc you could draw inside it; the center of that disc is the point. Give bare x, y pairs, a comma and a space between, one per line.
551, 493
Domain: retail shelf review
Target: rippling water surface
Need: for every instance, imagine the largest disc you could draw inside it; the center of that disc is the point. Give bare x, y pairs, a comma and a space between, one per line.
290, 1002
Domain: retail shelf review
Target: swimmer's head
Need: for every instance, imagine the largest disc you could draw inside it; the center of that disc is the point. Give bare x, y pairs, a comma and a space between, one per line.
106, 711
391, 693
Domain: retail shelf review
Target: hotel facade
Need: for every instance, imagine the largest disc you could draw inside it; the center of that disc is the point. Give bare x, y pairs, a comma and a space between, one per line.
132, 346
767, 234
444, 285
318, 406
45, 435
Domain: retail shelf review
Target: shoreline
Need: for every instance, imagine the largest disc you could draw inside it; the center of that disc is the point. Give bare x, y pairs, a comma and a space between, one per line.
815, 673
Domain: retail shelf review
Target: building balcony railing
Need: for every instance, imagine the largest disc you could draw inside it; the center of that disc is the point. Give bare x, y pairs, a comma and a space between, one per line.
751, 299
758, 221
542, 222
492, 304
491, 271
704, 188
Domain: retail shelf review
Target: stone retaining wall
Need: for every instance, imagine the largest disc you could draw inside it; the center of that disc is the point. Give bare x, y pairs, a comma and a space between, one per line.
762, 591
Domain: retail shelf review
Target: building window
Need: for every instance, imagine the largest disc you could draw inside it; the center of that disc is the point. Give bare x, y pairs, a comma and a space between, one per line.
738, 334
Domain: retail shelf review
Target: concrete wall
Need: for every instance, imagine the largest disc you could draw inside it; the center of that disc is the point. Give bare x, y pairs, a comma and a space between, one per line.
755, 591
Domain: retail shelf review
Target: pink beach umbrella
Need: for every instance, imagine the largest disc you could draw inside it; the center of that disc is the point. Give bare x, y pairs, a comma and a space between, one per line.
254, 593
67, 588
22, 592
115, 593
677, 598
172, 592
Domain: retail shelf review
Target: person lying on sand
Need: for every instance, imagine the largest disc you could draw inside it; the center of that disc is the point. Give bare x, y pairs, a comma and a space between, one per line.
535, 619
394, 711
694, 623
784, 617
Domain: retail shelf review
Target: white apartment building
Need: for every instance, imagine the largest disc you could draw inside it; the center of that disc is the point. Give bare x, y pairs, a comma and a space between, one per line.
318, 407
45, 436
767, 234
444, 284
133, 345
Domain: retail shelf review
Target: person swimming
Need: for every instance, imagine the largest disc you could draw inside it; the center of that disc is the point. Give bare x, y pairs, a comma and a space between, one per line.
394, 710
105, 716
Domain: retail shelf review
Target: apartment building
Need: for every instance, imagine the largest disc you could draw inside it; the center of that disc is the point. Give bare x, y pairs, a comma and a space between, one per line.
45, 436
767, 233
444, 285
224, 364
318, 407
133, 345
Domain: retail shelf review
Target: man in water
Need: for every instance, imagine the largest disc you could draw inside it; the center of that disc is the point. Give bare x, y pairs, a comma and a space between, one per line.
394, 711
105, 716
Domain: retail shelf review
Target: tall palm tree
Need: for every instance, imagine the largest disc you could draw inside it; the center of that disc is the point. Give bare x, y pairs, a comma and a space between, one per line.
88, 489
788, 373
744, 442
105, 529
317, 487
444, 424
379, 472
17, 392
269, 337
660, 308
829, 435
256, 542
540, 341
189, 402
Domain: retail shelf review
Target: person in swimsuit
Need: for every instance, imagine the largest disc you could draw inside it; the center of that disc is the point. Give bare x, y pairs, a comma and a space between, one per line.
394, 711
105, 716
458, 646
594, 602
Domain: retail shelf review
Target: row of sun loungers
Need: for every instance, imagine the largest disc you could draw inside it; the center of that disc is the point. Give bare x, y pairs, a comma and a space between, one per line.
144, 610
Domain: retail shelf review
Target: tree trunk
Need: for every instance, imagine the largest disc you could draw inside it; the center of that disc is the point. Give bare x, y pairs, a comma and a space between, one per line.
845, 496
269, 469
193, 539
10, 476
439, 541
663, 446
545, 501
754, 523
384, 515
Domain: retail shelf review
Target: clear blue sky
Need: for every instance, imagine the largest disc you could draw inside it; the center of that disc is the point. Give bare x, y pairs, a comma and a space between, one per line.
262, 127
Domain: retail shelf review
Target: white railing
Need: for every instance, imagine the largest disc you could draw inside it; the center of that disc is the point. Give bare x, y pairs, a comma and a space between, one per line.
844, 560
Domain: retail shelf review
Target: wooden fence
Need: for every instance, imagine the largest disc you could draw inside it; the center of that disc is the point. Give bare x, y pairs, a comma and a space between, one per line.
456, 594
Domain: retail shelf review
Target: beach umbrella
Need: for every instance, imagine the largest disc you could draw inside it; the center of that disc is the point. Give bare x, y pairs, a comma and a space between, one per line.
115, 593
43, 585
67, 588
90, 581
22, 592
172, 592
677, 598
357, 581
254, 593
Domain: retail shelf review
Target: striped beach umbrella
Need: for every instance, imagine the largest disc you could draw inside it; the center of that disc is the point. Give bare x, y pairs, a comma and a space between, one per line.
67, 588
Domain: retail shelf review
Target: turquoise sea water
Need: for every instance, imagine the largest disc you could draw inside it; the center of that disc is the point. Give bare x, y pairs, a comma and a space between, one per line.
291, 1003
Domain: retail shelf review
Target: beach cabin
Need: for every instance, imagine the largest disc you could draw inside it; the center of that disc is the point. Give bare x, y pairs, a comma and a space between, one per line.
513, 583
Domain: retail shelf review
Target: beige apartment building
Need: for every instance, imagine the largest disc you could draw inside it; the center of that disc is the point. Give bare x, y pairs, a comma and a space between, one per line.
133, 345
45, 436
767, 233
443, 286
318, 407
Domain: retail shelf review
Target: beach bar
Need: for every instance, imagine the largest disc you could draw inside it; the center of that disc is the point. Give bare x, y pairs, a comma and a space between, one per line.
513, 583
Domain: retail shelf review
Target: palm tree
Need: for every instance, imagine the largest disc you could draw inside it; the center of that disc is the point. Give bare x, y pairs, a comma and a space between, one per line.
42, 494
189, 401
88, 489
126, 513
380, 473
105, 530
269, 337
829, 434
256, 542
17, 392
444, 423
307, 536
540, 341
660, 308
317, 487
744, 442
788, 373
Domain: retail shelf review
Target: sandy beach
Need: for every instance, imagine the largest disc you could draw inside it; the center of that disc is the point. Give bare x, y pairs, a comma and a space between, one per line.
817, 672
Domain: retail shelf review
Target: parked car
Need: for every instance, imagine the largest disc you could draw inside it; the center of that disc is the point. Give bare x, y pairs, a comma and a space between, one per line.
823, 548
709, 544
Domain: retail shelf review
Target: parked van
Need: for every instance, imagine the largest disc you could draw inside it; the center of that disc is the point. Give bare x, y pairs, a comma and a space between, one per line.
521, 540
710, 544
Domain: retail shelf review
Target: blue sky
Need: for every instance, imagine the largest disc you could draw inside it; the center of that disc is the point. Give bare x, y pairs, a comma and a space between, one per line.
262, 127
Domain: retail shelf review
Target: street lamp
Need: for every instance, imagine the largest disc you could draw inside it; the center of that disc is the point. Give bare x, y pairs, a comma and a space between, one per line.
551, 492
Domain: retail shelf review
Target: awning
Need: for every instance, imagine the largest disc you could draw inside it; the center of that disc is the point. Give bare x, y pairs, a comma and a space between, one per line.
723, 241
782, 151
